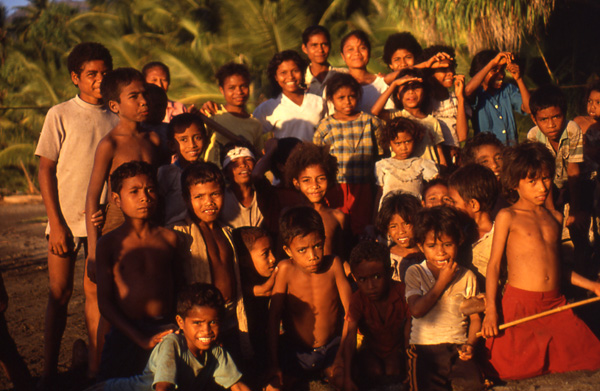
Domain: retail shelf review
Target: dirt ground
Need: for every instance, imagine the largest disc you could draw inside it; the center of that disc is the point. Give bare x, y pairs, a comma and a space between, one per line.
23, 265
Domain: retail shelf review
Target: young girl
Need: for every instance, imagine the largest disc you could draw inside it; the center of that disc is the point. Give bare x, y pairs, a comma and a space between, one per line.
351, 135
395, 220
410, 99
294, 112
158, 74
402, 172
312, 170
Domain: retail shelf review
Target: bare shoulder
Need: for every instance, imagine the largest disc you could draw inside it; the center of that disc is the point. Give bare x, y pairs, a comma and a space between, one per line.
505, 216
556, 215
154, 138
339, 216
170, 236
284, 267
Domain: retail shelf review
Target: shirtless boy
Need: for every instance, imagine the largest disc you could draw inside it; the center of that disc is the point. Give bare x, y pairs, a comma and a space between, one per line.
136, 272
528, 235
307, 294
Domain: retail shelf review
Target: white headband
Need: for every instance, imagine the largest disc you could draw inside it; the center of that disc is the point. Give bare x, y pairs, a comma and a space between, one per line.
235, 153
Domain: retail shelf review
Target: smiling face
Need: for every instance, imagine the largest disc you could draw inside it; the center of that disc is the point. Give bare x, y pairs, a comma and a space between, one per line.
158, 77
355, 53
402, 145
317, 49
490, 156
372, 279
400, 231
236, 90
593, 105
206, 200
534, 191
240, 170
289, 77
494, 78
551, 122
200, 328
189, 144
89, 79
443, 72
438, 251
312, 182
137, 198
401, 59
306, 251
262, 257
132, 105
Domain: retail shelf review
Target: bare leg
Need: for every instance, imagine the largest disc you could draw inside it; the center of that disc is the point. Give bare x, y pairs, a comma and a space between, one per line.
11, 360
92, 319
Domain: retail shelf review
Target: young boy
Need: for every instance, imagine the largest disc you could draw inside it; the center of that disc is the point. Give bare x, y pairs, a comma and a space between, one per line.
473, 189
188, 139
435, 193
316, 43
528, 235
192, 359
137, 266
441, 338
234, 84
485, 149
493, 101
307, 293
378, 309
71, 132
212, 257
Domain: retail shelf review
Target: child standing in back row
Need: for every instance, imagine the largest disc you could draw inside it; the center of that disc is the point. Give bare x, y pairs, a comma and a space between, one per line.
158, 74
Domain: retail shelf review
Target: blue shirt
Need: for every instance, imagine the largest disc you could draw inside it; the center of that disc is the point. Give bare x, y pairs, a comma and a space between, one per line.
494, 113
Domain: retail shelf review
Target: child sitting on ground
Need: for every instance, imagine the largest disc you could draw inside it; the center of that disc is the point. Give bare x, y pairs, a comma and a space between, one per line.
494, 101
158, 74
473, 189
137, 272
402, 171
307, 293
395, 221
187, 139
191, 359
435, 193
352, 137
311, 170
528, 235
441, 353
212, 257
410, 97
379, 310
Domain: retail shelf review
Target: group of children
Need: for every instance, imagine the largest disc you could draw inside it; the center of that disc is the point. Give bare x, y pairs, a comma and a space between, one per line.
335, 232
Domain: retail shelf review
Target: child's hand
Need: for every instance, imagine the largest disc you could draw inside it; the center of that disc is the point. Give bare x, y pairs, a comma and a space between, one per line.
447, 273
502, 58
266, 288
465, 352
152, 341
60, 240
90, 264
459, 86
209, 108
404, 80
594, 288
98, 218
514, 69
489, 327
436, 61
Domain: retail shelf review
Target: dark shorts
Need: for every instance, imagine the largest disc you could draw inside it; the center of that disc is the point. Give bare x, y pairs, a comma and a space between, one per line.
297, 359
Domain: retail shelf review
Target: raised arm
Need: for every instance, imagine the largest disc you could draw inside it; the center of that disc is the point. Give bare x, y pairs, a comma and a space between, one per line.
515, 71
377, 108
60, 234
462, 127
500, 59
274, 376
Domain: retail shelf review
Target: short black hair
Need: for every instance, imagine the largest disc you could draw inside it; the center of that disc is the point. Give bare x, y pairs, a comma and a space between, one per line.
481, 59
114, 81
156, 64
308, 154
526, 160
183, 121
370, 251
278, 59
285, 146
199, 294
339, 80
400, 125
404, 204
300, 221
398, 95
547, 96
593, 86
230, 69
129, 170
442, 220
315, 30
88, 51
246, 237
200, 172
358, 34
157, 101
476, 182
473, 144
434, 182
403, 40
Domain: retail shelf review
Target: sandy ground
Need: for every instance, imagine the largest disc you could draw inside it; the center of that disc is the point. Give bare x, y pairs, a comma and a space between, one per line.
23, 265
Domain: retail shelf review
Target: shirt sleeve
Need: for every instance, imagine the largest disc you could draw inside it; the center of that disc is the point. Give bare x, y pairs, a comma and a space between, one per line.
379, 173
51, 137
320, 133
163, 361
226, 373
260, 114
430, 170
532, 134
438, 136
412, 280
575, 143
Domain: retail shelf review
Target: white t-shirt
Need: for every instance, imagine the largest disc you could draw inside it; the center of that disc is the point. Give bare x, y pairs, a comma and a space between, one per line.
371, 92
235, 215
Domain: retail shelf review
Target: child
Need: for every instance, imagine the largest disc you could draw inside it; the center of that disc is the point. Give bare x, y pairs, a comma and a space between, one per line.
307, 292
441, 338
123, 91
294, 112
410, 101
435, 193
156, 99
485, 149
234, 84
528, 236
312, 171
191, 359
212, 257
592, 100
137, 271
401, 171
395, 220
379, 311
158, 74
187, 139
494, 101
351, 135
69, 137
473, 189
316, 44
